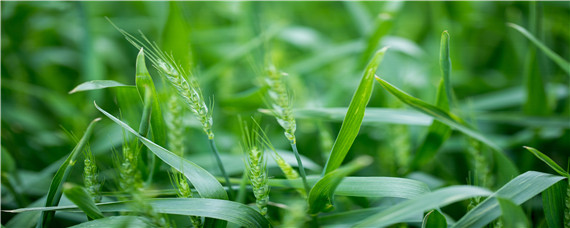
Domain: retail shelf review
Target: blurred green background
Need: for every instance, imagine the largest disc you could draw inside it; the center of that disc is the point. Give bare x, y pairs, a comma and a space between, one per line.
48, 48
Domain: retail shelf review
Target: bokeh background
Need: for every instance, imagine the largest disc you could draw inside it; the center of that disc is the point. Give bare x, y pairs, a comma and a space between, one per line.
48, 48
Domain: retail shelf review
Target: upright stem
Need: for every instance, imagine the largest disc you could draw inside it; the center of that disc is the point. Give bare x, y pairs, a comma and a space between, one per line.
222, 169
301, 168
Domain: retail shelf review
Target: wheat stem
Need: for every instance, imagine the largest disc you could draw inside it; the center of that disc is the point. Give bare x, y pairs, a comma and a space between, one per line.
221, 166
301, 168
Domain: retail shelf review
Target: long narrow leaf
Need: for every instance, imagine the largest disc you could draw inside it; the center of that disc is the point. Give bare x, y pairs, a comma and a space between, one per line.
346, 219
79, 196
506, 166
144, 82
518, 190
439, 198
97, 84
55, 188
438, 132
371, 115
513, 215
548, 161
321, 195
355, 114
212, 208
206, 184
553, 203
366, 186
565, 65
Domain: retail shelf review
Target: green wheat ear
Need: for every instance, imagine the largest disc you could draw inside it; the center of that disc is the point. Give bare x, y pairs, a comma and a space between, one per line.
256, 167
185, 83
280, 102
91, 176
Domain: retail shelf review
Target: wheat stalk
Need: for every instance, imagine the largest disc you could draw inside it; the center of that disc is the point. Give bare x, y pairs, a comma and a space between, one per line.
281, 108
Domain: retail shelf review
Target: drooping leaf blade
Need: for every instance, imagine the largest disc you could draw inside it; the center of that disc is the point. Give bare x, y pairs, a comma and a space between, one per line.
79, 196
512, 214
548, 161
508, 169
206, 184
355, 114
55, 189
439, 198
212, 208
97, 84
321, 196
434, 219
518, 190
565, 65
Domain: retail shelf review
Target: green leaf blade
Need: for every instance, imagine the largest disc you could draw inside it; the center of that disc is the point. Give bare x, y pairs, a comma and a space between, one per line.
434, 219
79, 196
508, 169
96, 85
230, 211
355, 114
438, 132
548, 161
55, 189
321, 195
553, 203
565, 65
518, 190
513, 215
124, 221
206, 184
439, 198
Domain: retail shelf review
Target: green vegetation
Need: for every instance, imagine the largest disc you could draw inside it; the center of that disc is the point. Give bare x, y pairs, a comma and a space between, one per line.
395, 114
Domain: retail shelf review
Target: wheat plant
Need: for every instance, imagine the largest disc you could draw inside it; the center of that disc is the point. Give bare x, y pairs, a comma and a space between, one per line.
395, 114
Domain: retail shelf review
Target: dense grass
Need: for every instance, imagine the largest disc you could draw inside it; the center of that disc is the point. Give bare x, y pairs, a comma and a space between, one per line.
285, 114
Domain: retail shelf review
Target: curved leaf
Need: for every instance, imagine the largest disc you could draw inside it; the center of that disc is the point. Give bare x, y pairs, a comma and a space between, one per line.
506, 166
321, 195
439, 198
79, 196
548, 161
55, 188
230, 211
434, 219
97, 84
518, 190
355, 114
206, 184
565, 65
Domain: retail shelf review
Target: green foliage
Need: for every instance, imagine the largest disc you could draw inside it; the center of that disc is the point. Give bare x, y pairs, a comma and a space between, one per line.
448, 156
80, 197
512, 214
434, 219
55, 188
354, 115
